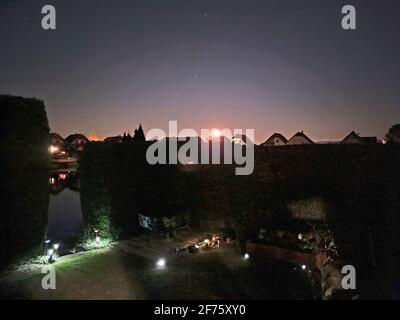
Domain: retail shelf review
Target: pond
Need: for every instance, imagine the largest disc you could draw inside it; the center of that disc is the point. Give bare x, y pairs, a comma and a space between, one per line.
64, 212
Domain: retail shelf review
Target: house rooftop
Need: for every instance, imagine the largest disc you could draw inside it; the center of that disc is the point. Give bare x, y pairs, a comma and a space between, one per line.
366, 140
74, 136
301, 134
278, 135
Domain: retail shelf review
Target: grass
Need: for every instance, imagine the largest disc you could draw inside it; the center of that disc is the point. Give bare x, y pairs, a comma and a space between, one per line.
113, 274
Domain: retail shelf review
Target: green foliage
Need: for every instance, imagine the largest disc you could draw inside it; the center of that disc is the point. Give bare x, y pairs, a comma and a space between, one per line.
100, 224
91, 244
98, 231
44, 259
118, 180
355, 186
24, 132
25, 166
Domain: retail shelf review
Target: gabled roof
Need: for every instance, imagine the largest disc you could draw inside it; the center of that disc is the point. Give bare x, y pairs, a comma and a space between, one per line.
75, 136
56, 136
115, 139
301, 134
366, 140
351, 135
275, 136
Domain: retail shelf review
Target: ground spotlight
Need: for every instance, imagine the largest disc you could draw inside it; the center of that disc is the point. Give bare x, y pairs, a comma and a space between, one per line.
46, 244
161, 263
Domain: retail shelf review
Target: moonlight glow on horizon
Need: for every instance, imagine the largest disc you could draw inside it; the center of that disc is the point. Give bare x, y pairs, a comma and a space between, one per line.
196, 61
215, 133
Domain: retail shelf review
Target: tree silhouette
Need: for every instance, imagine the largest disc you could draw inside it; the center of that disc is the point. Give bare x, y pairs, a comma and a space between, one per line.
393, 136
139, 135
126, 138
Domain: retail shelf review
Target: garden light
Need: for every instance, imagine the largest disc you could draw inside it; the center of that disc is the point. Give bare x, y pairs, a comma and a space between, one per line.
161, 263
303, 267
56, 246
246, 256
46, 246
53, 149
300, 236
50, 252
97, 239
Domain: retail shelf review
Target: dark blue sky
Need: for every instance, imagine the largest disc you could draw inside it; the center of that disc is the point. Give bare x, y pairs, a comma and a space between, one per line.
272, 65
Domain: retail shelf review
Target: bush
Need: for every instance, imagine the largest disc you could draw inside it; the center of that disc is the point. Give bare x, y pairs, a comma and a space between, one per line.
24, 171
100, 225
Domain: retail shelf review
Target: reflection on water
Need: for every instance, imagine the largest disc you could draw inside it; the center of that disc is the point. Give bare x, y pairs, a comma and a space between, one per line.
65, 217
64, 213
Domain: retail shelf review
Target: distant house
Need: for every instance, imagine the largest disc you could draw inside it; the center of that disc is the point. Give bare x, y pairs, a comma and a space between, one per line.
276, 139
77, 141
116, 139
58, 146
56, 140
299, 138
354, 138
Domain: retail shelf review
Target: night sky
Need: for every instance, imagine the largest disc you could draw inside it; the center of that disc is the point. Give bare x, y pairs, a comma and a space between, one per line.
272, 65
